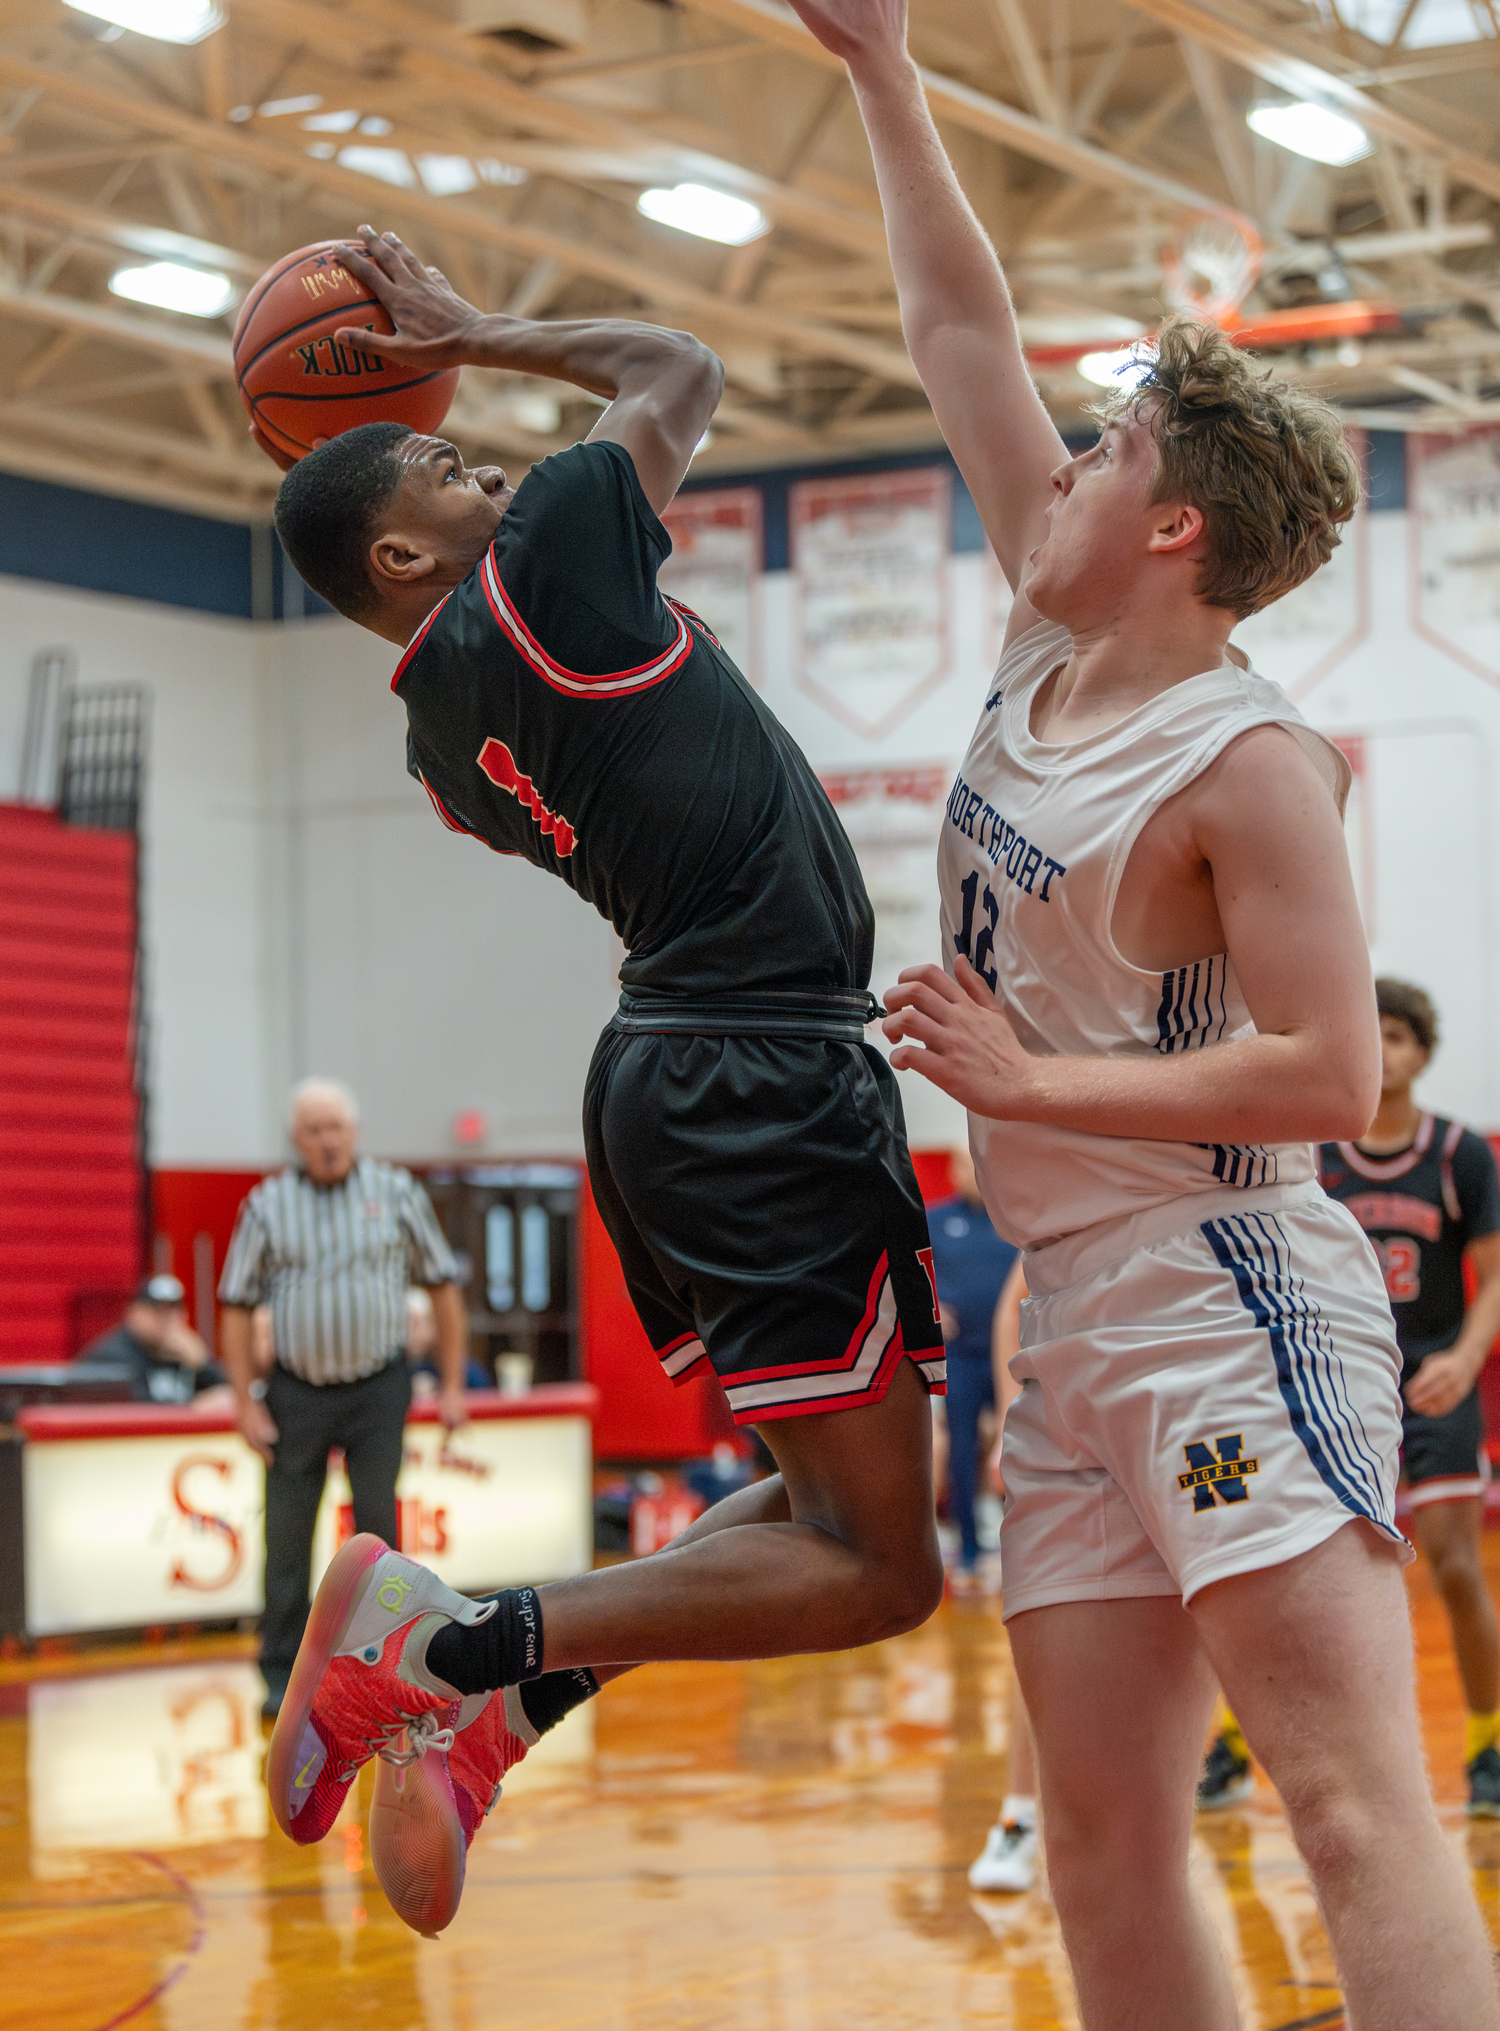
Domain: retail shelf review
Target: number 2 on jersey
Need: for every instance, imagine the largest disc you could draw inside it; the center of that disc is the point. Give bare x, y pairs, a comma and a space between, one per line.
982, 955
1401, 1265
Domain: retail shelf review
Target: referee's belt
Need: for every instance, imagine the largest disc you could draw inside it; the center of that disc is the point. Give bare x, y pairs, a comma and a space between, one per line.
834, 1018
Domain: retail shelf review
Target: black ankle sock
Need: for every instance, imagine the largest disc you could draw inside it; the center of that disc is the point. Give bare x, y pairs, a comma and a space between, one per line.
546, 1700
504, 1649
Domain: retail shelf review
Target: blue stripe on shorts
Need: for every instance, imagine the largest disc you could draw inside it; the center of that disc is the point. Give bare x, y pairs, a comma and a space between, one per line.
1255, 1249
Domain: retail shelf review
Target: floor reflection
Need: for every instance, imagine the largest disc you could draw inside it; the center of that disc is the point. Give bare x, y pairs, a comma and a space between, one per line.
332, 1954
145, 1759
772, 1847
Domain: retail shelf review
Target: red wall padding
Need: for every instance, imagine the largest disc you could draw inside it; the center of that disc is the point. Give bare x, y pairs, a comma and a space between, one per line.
187, 1206
70, 1178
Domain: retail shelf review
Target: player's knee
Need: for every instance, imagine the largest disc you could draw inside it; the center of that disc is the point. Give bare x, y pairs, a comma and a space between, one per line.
898, 1596
1102, 1830
1456, 1571
914, 1596
1132, 1867
1337, 1828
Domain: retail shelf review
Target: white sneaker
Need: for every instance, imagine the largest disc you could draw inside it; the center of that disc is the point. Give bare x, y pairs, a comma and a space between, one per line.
1009, 1861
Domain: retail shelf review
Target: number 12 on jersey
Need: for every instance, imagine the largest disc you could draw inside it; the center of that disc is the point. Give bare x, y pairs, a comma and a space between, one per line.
981, 957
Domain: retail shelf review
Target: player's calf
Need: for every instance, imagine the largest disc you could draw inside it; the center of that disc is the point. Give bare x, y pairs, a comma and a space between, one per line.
1315, 1658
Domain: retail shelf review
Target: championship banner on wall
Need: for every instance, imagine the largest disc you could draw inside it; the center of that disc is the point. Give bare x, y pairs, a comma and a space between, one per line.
718, 552
869, 557
892, 817
1454, 532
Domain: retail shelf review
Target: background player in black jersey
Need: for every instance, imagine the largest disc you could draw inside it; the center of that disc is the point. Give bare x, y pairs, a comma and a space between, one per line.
745, 1145
1425, 1191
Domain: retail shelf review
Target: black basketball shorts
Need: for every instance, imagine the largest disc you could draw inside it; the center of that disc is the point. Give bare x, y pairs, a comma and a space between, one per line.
1443, 1458
761, 1195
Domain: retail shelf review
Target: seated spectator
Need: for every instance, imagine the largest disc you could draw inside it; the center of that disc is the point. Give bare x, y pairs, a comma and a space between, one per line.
156, 1350
421, 1348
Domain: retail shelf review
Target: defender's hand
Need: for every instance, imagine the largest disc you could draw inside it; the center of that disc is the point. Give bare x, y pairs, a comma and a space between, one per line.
434, 326
282, 458
257, 1428
856, 28
1439, 1385
967, 1047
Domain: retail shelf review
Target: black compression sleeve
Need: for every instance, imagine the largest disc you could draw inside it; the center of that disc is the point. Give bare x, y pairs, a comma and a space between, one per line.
548, 1699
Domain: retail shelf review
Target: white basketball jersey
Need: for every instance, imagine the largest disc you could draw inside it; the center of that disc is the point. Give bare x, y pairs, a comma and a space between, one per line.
1034, 842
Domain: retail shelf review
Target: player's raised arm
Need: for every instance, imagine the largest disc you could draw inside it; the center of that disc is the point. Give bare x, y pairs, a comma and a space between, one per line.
956, 311
664, 386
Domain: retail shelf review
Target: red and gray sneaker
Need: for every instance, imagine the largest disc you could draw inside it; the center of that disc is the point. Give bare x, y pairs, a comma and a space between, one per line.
429, 1806
360, 1687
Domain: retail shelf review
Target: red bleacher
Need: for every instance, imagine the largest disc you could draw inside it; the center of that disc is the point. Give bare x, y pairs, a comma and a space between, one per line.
70, 1173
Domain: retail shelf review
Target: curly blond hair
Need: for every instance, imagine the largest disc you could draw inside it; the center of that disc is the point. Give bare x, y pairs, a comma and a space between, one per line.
1265, 461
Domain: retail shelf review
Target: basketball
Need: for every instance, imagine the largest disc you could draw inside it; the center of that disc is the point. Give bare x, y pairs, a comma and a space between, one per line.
297, 383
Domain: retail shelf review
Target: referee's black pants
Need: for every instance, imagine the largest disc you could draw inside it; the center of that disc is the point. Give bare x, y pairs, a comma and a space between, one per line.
366, 1419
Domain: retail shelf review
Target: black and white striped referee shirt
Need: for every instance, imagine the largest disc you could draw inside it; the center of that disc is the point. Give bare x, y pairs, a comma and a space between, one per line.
335, 1262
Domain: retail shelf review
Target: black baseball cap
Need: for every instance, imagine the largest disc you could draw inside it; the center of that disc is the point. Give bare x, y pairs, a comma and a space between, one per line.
160, 1290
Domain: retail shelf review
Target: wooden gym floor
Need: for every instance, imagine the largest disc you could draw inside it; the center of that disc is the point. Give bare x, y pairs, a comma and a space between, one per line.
775, 1847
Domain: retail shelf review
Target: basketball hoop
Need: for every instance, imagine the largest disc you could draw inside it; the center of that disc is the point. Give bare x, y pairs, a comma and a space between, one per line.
1212, 265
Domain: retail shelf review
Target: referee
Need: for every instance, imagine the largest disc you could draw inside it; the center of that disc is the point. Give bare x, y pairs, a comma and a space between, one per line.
333, 1244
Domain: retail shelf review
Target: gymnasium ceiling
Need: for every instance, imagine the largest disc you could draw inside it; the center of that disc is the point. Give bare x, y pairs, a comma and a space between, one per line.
1094, 136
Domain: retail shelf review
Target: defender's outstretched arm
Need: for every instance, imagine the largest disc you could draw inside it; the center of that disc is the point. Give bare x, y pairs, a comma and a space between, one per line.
956, 311
664, 386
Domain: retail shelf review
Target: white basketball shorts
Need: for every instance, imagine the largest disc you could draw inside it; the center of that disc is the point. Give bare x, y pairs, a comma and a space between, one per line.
1217, 1399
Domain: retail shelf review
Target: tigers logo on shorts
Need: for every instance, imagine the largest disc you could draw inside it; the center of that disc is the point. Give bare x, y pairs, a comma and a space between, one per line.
1216, 1470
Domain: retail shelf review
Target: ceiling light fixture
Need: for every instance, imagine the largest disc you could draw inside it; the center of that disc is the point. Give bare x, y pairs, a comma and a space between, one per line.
342, 122
387, 165
491, 171
163, 20
1314, 131
709, 214
1436, 24
447, 175
167, 285
1115, 370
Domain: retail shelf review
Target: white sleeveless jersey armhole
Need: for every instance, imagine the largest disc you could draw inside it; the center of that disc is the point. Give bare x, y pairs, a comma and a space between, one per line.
1034, 842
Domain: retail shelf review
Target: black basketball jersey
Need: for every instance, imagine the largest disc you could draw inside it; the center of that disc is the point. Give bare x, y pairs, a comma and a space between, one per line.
560, 708
1421, 1207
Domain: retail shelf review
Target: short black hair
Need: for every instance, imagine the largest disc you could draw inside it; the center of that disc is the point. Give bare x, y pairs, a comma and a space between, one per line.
1409, 1005
327, 508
